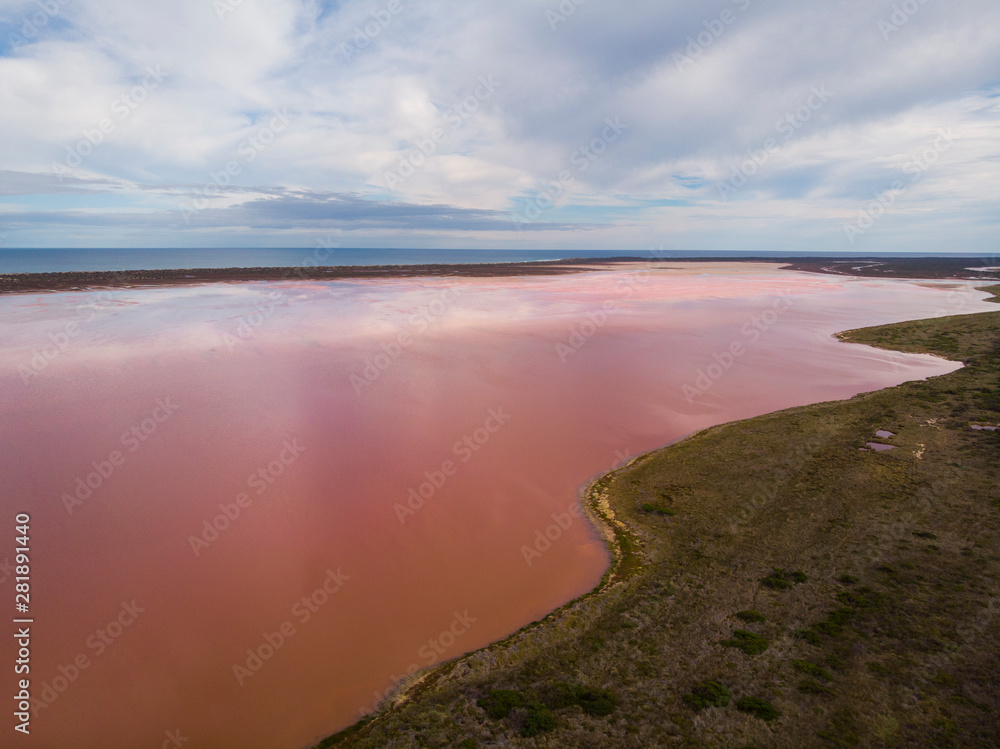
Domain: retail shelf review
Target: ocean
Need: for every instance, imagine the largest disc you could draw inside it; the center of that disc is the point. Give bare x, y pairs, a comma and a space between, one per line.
110, 259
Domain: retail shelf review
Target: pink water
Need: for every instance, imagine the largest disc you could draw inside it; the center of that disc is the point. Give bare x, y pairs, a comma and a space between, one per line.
549, 381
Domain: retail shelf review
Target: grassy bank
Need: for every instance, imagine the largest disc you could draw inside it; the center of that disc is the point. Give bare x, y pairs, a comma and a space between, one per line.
777, 586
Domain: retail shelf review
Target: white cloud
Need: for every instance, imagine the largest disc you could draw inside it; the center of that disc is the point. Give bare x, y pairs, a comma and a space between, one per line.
368, 82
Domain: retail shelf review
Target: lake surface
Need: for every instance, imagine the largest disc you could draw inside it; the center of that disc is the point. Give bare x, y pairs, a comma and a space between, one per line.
254, 506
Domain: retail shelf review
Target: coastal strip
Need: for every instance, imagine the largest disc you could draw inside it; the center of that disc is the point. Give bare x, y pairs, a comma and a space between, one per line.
19, 283
979, 269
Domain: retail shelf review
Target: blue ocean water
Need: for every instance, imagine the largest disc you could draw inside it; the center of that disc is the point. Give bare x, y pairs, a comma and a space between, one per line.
97, 259
58, 260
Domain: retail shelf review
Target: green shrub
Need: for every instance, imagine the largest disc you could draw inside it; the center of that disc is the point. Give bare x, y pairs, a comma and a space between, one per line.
748, 642
657, 508
809, 635
847, 579
811, 686
707, 694
750, 615
835, 622
811, 669
851, 599
843, 729
776, 581
598, 702
840, 616
500, 702
833, 661
863, 598
757, 707
924, 534
540, 719
467, 744
558, 696
781, 580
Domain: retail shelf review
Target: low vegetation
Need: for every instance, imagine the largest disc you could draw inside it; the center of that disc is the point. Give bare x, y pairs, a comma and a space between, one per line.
750, 615
779, 579
707, 694
757, 707
657, 508
749, 642
866, 588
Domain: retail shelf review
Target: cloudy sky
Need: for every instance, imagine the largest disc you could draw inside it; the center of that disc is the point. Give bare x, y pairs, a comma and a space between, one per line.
843, 125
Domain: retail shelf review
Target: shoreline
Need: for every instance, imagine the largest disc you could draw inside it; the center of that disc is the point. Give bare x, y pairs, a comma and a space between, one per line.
624, 540
20, 283
913, 268
619, 540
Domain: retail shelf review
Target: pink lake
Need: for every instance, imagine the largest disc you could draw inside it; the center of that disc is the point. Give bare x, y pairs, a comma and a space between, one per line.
400, 442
